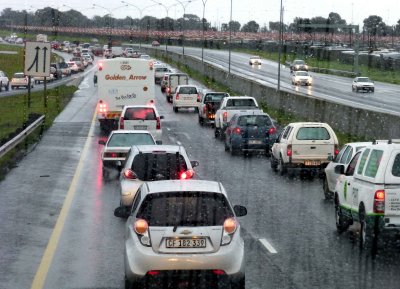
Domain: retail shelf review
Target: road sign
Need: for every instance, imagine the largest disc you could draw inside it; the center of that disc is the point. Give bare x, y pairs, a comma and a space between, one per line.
37, 59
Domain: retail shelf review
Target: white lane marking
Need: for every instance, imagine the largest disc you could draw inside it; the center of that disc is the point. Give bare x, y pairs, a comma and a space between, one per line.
179, 143
268, 246
168, 129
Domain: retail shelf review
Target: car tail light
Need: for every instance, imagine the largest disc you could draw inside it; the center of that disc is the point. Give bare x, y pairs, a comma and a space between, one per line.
379, 202
158, 125
121, 123
187, 175
236, 130
177, 96
218, 272
336, 150
204, 109
110, 155
141, 226
129, 174
225, 116
168, 89
153, 273
198, 98
289, 151
100, 66
272, 130
230, 226
102, 107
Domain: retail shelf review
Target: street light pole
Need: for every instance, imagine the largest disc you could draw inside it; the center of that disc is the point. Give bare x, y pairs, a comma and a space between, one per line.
230, 41
280, 45
183, 19
202, 20
167, 10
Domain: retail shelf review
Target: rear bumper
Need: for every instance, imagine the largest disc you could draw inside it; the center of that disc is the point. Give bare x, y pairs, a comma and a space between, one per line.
302, 165
244, 145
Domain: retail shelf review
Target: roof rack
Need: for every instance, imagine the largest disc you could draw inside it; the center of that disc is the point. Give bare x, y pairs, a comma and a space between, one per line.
396, 140
377, 141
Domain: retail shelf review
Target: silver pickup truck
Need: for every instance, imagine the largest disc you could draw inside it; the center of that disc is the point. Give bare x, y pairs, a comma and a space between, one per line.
229, 107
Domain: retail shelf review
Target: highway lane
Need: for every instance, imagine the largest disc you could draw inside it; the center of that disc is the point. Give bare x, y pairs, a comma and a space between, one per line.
288, 213
328, 87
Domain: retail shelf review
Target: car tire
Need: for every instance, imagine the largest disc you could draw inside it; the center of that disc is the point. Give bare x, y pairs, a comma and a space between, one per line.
341, 223
226, 145
233, 150
196, 109
281, 166
325, 187
175, 109
372, 89
201, 121
274, 163
1, 86
8, 87
216, 132
239, 284
368, 232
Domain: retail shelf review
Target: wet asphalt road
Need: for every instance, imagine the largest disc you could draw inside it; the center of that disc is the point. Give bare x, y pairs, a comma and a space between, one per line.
287, 212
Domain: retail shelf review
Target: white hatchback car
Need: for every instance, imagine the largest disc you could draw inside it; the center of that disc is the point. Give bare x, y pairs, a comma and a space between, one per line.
343, 158
185, 232
301, 78
152, 163
186, 96
141, 117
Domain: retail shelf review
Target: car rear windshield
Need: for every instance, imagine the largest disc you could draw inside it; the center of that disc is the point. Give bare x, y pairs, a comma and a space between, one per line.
162, 69
158, 166
396, 166
302, 73
139, 113
185, 209
188, 90
215, 97
313, 133
254, 120
19, 75
130, 139
241, 102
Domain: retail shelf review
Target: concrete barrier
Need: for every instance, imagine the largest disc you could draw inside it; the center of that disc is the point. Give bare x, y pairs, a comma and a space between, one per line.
346, 119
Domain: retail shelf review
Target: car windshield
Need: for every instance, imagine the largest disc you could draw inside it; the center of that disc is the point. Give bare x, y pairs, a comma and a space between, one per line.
185, 209
240, 102
188, 90
363, 79
158, 166
130, 139
254, 120
313, 133
215, 96
140, 113
302, 73
299, 62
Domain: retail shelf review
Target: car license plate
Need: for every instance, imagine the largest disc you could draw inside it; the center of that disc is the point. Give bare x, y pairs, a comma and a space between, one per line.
187, 98
312, 163
140, 127
254, 142
186, 243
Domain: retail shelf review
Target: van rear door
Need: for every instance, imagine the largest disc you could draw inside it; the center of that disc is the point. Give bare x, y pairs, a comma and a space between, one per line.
392, 190
177, 79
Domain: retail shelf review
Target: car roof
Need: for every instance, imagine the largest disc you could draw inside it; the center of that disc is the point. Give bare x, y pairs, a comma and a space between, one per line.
153, 148
141, 106
308, 124
187, 85
254, 112
184, 186
125, 131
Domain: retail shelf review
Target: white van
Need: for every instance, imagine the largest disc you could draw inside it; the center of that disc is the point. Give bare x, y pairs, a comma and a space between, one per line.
173, 81
186, 96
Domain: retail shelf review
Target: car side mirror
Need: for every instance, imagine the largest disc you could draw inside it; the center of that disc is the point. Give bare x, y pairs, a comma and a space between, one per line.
102, 142
194, 163
161, 117
339, 169
159, 142
240, 211
121, 212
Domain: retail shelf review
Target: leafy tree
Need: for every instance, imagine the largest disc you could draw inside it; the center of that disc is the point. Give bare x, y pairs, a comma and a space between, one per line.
251, 26
235, 25
374, 26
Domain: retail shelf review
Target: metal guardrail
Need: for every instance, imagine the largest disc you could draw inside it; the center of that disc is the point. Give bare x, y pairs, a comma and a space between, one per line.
20, 137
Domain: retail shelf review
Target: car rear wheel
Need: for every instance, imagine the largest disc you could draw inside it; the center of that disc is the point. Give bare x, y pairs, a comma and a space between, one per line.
175, 109
201, 120
8, 87
325, 187
281, 167
216, 132
368, 232
341, 223
226, 145
274, 163
239, 284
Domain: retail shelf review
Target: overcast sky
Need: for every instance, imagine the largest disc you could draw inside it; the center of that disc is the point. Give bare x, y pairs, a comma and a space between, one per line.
218, 11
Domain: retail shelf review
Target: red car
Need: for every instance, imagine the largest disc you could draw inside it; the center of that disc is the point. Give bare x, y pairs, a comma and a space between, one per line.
155, 43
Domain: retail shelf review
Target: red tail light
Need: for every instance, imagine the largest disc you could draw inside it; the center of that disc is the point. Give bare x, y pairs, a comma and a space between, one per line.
158, 126
230, 225
153, 273
198, 98
225, 116
129, 174
236, 130
121, 123
177, 96
336, 150
141, 226
187, 175
218, 272
379, 202
272, 130
168, 89
289, 151
204, 109
100, 66
110, 155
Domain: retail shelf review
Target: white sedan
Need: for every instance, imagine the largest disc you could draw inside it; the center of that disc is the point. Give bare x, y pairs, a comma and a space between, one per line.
363, 84
301, 78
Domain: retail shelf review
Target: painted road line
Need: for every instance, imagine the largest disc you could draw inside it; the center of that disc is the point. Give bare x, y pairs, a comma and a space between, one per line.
268, 246
44, 266
168, 129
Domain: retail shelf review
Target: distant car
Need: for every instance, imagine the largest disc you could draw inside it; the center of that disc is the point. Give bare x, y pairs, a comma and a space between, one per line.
148, 163
19, 41
186, 96
117, 146
141, 117
255, 60
343, 158
301, 78
4, 81
159, 71
73, 66
58, 70
66, 71
250, 132
145, 56
185, 229
50, 78
20, 79
298, 65
155, 43
363, 84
